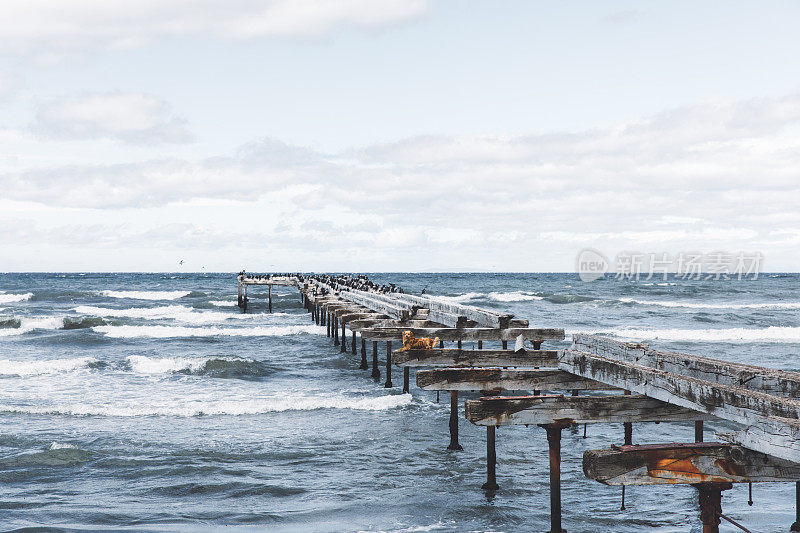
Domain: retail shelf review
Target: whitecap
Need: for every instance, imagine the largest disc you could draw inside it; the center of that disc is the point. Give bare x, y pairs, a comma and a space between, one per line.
13, 298
146, 295
223, 303
29, 324
190, 408
772, 334
164, 332
695, 305
45, 366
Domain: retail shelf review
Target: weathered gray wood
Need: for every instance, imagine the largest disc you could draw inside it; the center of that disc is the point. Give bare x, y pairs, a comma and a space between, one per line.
363, 315
480, 316
454, 357
467, 334
705, 462
447, 319
775, 426
751, 377
388, 309
472, 379
547, 409
360, 325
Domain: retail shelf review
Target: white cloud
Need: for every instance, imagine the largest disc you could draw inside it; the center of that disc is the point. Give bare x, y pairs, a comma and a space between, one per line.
55, 27
706, 177
130, 117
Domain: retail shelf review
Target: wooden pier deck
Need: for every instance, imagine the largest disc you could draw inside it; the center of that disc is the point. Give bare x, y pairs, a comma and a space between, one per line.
629, 383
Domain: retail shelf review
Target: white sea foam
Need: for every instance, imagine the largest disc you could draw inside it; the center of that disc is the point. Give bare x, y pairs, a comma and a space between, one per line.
44, 366
179, 313
515, 296
695, 305
60, 446
173, 312
189, 408
147, 295
29, 324
13, 298
772, 334
223, 303
164, 332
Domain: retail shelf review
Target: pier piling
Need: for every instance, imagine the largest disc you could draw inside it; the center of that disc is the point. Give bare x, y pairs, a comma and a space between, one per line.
491, 461
376, 372
454, 445
554, 448
388, 383
364, 365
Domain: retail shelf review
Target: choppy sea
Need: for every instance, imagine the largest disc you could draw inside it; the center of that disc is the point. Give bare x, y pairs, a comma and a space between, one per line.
151, 402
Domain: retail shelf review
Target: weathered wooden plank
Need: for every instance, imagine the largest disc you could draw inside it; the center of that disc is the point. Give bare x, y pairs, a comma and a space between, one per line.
392, 310
482, 317
706, 368
454, 357
467, 334
447, 319
362, 315
360, 325
773, 418
471, 379
708, 462
546, 409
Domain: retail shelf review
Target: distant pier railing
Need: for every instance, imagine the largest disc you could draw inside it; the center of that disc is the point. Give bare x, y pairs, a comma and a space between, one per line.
630, 383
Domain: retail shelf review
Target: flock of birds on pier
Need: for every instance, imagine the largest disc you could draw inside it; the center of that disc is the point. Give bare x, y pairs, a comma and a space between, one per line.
360, 282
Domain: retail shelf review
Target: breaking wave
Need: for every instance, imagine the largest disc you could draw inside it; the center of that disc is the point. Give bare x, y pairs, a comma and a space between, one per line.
219, 367
164, 332
224, 303
47, 366
12, 298
147, 295
191, 408
26, 325
772, 334
515, 296
691, 305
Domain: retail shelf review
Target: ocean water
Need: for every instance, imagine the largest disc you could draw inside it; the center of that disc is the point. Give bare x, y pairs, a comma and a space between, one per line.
150, 402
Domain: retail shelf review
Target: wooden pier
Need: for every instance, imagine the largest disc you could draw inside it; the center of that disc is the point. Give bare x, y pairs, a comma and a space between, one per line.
627, 382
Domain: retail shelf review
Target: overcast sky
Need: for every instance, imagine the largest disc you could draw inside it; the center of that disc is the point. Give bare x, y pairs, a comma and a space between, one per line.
388, 135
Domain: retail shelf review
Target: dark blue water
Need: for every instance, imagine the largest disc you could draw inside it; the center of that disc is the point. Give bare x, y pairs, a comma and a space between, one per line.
148, 401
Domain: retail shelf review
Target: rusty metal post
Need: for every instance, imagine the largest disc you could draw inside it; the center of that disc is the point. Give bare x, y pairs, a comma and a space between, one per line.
335, 329
406, 379
710, 500
376, 373
270, 297
491, 461
454, 445
364, 365
344, 338
698, 431
480, 345
327, 321
355, 346
388, 383
554, 445
628, 427
796, 525
505, 345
